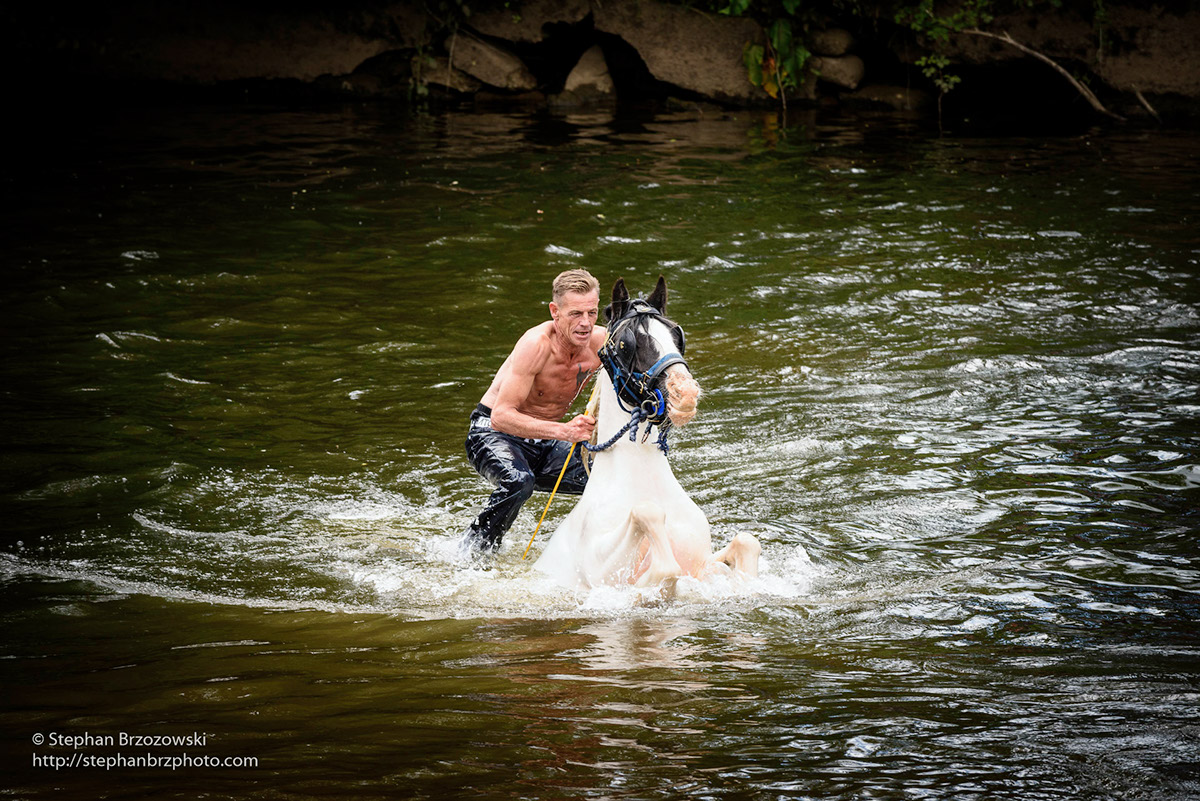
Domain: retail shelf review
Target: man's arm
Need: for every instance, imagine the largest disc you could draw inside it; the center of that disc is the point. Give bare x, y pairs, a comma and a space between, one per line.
527, 359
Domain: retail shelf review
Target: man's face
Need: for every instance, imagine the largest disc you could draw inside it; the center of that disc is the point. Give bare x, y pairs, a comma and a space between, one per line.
575, 316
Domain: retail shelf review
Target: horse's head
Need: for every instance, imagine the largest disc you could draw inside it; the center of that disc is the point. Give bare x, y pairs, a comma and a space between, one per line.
644, 357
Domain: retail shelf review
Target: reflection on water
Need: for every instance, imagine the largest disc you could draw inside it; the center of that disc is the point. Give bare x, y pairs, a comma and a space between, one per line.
950, 384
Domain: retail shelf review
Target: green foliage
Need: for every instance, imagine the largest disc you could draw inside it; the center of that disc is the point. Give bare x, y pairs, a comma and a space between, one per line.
753, 56
922, 18
778, 64
934, 67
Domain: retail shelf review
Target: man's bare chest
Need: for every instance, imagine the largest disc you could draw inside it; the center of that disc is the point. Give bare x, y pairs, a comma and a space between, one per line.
561, 383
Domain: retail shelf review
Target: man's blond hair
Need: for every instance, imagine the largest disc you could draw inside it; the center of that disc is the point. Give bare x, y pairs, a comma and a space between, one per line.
580, 281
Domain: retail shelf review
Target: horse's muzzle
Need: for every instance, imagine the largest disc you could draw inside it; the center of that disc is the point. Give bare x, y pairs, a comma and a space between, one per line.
683, 393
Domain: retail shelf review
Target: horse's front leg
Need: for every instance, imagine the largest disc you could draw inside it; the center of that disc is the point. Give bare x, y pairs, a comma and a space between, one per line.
656, 561
636, 553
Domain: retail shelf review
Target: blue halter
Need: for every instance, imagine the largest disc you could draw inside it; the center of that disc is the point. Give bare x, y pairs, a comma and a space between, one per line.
637, 393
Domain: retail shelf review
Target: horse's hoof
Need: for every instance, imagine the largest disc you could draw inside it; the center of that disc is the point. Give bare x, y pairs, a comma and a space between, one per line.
659, 594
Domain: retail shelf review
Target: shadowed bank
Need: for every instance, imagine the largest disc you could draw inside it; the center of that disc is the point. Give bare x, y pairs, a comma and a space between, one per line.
986, 66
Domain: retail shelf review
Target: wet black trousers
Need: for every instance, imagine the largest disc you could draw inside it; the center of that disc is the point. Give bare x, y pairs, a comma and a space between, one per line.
516, 466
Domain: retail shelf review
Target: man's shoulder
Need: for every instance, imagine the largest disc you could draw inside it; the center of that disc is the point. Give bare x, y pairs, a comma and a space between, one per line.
534, 347
539, 336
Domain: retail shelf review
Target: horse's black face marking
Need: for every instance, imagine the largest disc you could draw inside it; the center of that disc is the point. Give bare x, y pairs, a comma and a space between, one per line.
647, 351
649, 348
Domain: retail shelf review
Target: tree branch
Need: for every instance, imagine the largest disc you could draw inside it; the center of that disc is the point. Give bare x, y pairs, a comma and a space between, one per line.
1146, 103
1083, 90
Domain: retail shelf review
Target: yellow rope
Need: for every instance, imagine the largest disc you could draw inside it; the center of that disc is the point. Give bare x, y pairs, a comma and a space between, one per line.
548, 502
590, 409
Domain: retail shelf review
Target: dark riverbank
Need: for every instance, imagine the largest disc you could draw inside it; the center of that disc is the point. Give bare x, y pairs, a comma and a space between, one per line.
564, 55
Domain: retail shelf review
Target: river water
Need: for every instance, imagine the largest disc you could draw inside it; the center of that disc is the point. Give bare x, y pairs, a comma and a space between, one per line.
952, 384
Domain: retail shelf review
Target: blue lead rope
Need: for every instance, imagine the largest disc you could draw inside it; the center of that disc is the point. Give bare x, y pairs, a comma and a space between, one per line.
635, 420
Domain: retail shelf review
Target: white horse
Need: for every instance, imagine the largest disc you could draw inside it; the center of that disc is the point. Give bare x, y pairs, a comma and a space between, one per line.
634, 524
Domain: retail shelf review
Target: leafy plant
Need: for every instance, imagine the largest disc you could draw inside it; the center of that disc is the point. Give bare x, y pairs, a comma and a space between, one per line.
922, 18
934, 68
778, 65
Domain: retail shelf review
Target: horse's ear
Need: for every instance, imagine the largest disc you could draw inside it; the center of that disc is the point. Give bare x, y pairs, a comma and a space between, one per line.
658, 298
620, 301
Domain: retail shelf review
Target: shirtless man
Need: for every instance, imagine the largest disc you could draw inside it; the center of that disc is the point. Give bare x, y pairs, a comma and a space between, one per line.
517, 439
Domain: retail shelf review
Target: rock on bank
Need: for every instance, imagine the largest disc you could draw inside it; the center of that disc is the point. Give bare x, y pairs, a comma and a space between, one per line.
533, 45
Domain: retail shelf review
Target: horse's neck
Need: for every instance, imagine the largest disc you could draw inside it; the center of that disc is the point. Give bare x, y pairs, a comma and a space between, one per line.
629, 472
610, 416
